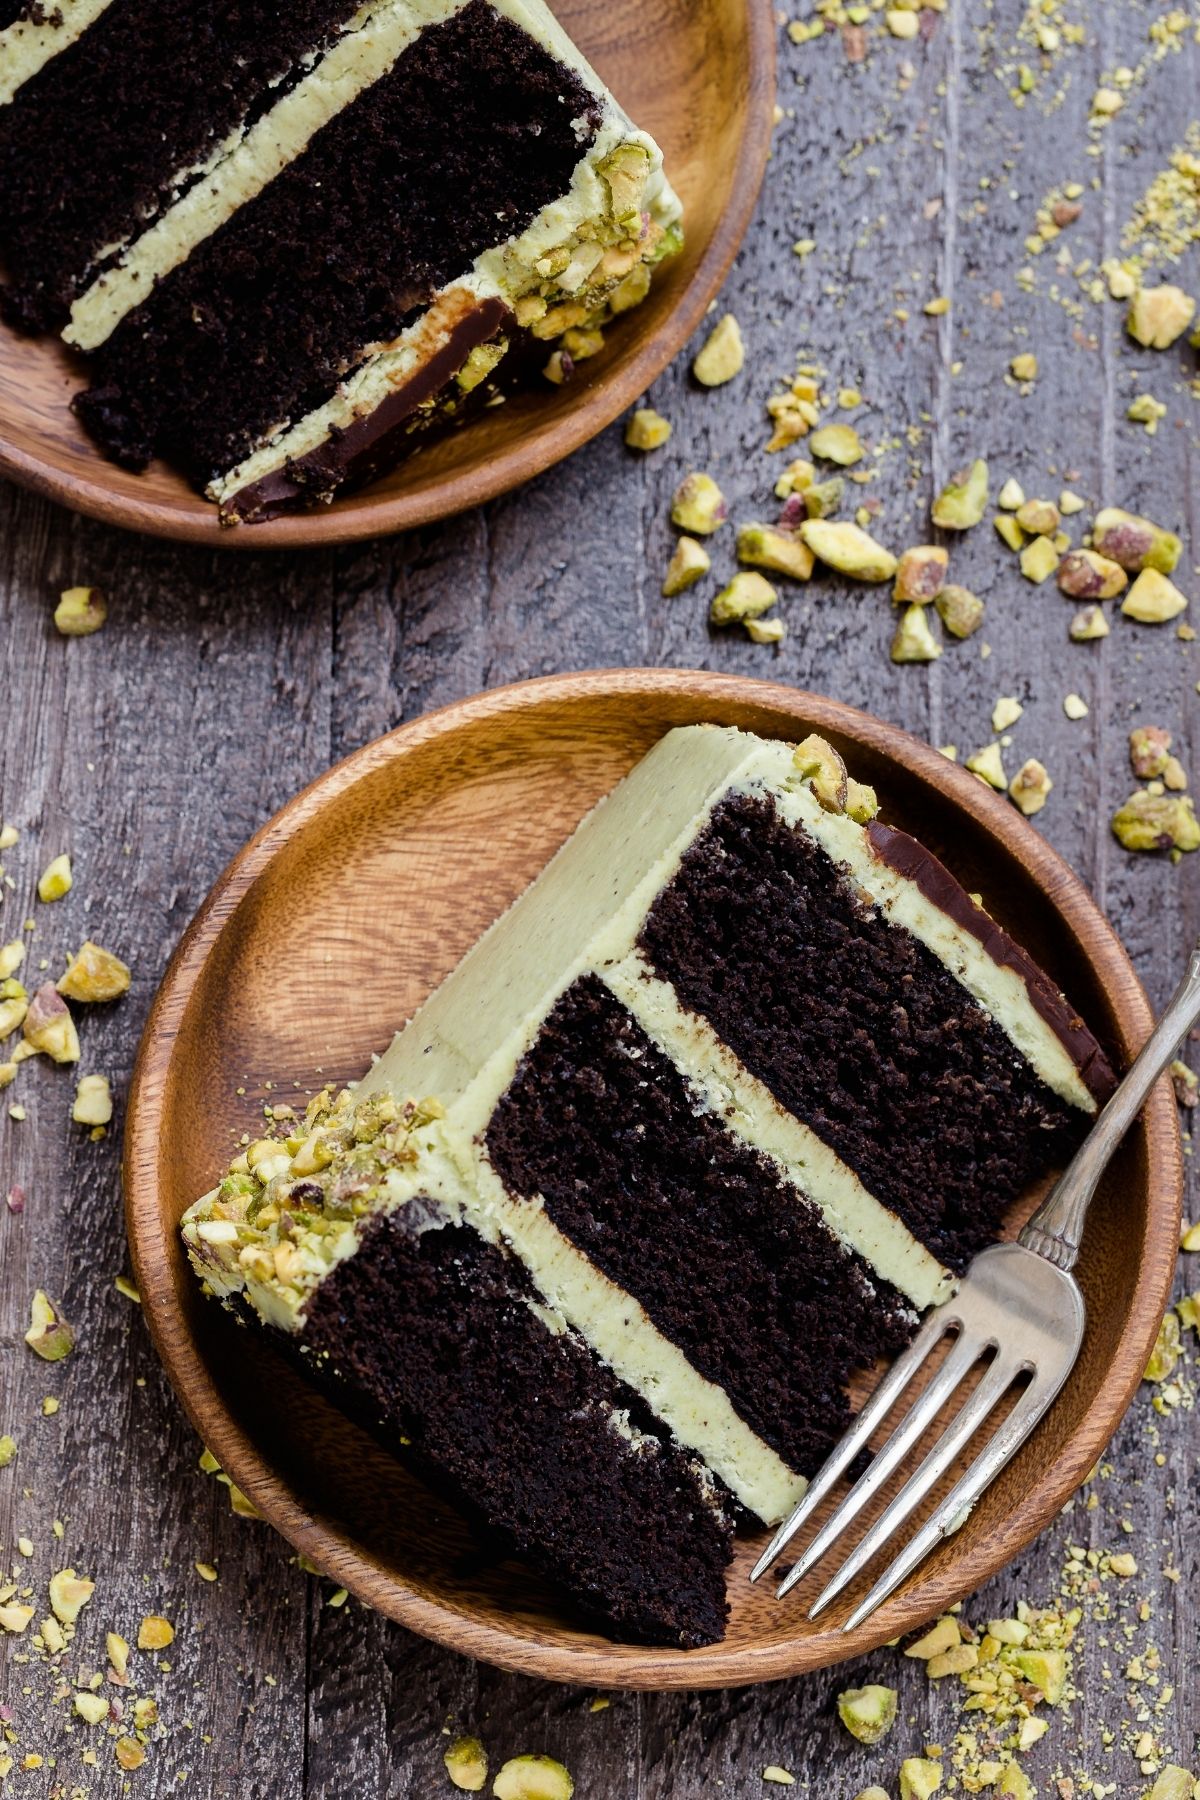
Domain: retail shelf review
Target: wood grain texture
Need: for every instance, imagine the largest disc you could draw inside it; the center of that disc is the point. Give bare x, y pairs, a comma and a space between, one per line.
394, 831
221, 685
700, 78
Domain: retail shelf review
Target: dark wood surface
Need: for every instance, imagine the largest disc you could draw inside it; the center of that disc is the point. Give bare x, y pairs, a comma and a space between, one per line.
221, 684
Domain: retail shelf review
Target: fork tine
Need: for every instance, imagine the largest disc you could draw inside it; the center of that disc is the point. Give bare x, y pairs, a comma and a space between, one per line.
966, 1422
966, 1352
953, 1510
879, 1403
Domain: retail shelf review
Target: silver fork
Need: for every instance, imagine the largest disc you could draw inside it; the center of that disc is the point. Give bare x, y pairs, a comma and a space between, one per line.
1019, 1307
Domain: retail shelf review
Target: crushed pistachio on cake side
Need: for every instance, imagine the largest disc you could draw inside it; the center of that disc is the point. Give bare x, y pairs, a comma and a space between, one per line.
291, 1203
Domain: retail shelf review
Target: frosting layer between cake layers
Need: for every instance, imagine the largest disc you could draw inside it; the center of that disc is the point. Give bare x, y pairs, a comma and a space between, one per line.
738, 1083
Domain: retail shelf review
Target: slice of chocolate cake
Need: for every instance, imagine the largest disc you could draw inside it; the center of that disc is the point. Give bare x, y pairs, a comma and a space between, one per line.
719, 1106
288, 242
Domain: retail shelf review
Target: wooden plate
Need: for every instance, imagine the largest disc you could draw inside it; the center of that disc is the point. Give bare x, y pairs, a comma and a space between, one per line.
327, 931
699, 75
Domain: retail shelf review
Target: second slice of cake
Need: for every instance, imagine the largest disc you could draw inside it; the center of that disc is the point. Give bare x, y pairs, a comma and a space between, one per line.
715, 1110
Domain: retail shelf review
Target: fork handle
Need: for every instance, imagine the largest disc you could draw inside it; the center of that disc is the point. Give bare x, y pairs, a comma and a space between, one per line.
1056, 1228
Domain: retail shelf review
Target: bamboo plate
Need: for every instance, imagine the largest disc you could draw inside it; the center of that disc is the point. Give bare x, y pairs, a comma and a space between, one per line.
699, 75
325, 933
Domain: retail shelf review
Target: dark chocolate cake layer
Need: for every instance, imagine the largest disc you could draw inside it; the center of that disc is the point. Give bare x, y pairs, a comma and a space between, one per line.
427, 1335
856, 1028
728, 1260
90, 149
471, 130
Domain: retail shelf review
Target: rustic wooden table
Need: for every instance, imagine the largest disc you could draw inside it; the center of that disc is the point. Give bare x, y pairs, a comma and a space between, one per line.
224, 682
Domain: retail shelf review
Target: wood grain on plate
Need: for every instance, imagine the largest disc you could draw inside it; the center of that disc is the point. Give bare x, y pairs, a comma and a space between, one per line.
332, 925
697, 74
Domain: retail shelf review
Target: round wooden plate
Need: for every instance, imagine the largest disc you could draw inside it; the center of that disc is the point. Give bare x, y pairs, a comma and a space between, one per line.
700, 76
328, 930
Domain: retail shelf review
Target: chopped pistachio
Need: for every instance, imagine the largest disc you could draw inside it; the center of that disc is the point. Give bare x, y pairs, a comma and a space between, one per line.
1145, 410
795, 478
117, 1650
13, 1011
69, 1594
1030, 787
533, 1778
1157, 822
823, 498
559, 367
747, 596
912, 640
1024, 366
1149, 749
960, 611
1166, 1351
1039, 559
1189, 1239
723, 355
1088, 624
1185, 1082
466, 1764
1045, 1669
770, 547
1007, 527
958, 1660
1123, 1564
15, 1618
779, 1777
155, 1633
129, 1753
1153, 599
868, 1713
9, 835
1173, 1783
80, 611
920, 1777
1106, 102
921, 574
1011, 495
11, 957
8, 1450
93, 1101
848, 549
1085, 575
688, 563
766, 631
49, 1027
988, 764
49, 1335
1159, 315
937, 1640
55, 879
1075, 706
92, 1707
1014, 1783
1006, 712
1134, 542
1174, 775
837, 444
95, 974
1040, 518
1069, 503
820, 765
904, 24
646, 429
961, 503
699, 505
